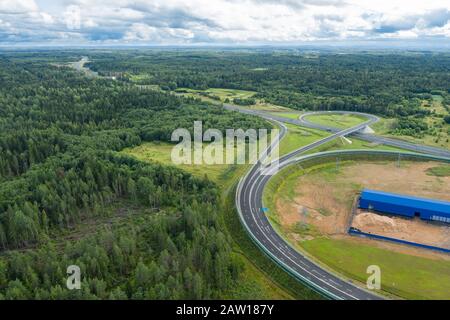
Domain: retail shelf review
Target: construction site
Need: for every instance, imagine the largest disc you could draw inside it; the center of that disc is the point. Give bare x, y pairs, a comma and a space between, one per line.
325, 203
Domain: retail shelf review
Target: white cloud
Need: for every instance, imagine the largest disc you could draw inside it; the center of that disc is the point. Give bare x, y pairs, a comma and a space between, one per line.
40, 17
254, 21
20, 6
141, 31
4, 25
90, 23
144, 32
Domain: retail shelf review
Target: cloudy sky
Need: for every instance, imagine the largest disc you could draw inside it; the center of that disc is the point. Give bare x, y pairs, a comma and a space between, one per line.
179, 22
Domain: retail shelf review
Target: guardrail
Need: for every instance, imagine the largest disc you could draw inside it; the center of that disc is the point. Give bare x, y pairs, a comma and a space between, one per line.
353, 231
403, 154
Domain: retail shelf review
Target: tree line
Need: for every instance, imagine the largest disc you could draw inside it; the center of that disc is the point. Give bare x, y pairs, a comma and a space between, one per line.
389, 84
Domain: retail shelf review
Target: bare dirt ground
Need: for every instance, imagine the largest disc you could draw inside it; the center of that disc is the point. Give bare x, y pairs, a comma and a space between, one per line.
323, 200
415, 230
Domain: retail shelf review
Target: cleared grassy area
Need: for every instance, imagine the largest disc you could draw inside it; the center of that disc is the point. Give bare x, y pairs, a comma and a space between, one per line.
287, 115
141, 78
341, 121
161, 152
403, 275
219, 93
230, 93
297, 137
260, 278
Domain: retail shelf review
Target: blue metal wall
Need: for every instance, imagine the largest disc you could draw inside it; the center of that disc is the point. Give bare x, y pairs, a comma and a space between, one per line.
402, 210
386, 207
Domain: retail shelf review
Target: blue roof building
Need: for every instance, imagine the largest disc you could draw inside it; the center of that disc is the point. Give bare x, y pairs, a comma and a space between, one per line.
405, 205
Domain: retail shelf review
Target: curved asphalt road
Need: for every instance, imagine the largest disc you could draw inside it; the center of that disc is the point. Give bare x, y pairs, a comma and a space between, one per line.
373, 138
249, 204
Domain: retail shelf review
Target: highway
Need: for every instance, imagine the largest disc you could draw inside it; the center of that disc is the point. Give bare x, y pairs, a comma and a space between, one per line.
249, 204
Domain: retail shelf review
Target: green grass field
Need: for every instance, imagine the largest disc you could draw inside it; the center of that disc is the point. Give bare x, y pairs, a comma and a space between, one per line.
230, 93
161, 152
220, 93
341, 121
403, 275
297, 137
342, 144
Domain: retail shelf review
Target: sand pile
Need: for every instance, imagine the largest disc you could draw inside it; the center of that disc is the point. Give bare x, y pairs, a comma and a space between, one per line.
369, 220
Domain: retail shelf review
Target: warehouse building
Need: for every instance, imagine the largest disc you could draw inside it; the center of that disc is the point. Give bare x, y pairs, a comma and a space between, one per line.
404, 205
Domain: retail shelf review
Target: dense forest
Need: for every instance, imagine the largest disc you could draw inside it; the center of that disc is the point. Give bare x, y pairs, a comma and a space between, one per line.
60, 133
388, 84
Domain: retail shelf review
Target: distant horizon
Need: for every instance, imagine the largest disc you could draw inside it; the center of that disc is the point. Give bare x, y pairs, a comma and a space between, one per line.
392, 45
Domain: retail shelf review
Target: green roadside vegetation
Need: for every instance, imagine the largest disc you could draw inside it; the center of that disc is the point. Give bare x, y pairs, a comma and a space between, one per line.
261, 278
288, 115
297, 137
356, 144
403, 275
